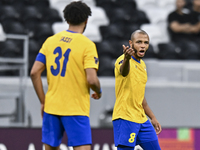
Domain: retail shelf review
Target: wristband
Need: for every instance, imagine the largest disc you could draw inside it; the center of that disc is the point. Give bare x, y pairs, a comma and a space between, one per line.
100, 91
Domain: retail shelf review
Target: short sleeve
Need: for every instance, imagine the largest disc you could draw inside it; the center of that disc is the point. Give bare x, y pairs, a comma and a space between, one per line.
171, 17
91, 59
118, 64
42, 54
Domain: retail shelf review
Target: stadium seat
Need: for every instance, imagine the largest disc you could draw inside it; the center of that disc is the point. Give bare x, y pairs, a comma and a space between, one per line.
167, 4
103, 3
128, 5
42, 32
40, 4
155, 34
2, 34
30, 16
29, 13
59, 26
33, 51
6, 2
105, 118
14, 28
188, 50
93, 33
98, 17
11, 49
8, 13
33, 47
168, 51
139, 17
150, 52
118, 15
143, 4
129, 29
111, 31
50, 15
90, 3
107, 5
59, 5
118, 46
105, 48
157, 15
106, 66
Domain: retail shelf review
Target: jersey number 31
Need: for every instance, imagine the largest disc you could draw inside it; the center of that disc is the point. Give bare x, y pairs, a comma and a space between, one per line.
56, 71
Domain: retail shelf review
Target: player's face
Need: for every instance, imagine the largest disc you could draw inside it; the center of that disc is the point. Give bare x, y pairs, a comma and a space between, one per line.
139, 44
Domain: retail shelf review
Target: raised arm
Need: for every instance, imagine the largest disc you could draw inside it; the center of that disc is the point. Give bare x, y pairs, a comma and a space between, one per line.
94, 83
125, 67
150, 114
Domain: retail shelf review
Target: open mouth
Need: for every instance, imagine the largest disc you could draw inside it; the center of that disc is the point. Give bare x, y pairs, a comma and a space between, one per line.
142, 52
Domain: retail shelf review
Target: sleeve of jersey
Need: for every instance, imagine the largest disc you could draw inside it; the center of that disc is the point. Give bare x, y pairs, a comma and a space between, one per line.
41, 55
91, 59
118, 63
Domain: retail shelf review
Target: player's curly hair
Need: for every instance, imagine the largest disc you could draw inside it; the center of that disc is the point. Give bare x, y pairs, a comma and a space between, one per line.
76, 12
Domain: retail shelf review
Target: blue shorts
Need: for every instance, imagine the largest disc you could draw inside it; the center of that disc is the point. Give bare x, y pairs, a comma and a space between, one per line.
129, 133
77, 129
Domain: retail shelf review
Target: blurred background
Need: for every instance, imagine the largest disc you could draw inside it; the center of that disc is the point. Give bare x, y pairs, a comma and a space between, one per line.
173, 66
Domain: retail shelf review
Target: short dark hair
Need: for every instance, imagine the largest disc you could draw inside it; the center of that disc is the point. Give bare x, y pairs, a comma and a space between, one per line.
76, 12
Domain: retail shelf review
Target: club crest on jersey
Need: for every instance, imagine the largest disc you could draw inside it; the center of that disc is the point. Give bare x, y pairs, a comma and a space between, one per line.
121, 62
96, 60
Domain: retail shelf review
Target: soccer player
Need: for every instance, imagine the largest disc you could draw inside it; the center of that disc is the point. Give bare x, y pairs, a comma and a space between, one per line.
71, 62
130, 124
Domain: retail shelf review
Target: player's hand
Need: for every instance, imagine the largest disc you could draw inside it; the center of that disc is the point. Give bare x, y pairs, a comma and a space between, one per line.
156, 126
42, 110
96, 95
128, 52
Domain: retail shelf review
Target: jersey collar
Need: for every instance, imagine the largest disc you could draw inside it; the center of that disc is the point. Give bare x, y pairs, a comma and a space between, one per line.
135, 59
71, 31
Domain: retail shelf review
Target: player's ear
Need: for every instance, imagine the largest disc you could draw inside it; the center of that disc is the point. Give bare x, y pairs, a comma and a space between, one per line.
130, 43
86, 21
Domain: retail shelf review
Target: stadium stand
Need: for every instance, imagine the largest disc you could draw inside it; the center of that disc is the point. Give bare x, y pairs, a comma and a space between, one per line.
2, 34
111, 23
168, 51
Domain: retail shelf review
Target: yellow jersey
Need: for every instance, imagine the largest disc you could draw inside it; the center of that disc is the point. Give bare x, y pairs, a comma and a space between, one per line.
130, 91
66, 55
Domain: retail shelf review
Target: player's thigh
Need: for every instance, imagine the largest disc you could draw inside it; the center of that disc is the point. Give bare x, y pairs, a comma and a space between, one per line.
147, 133
52, 130
153, 145
125, 132
78, 130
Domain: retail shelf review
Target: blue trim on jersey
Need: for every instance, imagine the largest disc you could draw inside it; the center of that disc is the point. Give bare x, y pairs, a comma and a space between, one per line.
41, 57
135, 59
71, 31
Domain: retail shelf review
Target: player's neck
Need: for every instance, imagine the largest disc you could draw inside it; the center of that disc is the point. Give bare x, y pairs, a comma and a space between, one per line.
77, 28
